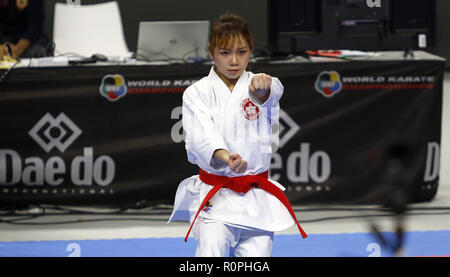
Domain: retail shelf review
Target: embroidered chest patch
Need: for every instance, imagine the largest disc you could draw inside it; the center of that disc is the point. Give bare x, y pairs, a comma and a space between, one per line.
250, 110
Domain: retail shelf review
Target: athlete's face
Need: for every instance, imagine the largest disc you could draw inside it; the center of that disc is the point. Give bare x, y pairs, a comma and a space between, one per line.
232, 61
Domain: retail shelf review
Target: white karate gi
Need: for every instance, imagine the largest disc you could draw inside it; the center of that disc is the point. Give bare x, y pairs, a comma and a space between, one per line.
215, 118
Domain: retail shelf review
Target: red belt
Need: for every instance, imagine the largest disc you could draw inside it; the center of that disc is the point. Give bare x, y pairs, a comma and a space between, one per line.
243, 185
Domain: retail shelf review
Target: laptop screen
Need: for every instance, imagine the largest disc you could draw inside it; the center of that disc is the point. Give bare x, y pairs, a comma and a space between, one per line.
172, 40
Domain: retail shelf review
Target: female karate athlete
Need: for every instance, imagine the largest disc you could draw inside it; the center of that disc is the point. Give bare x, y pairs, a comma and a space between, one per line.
227, 116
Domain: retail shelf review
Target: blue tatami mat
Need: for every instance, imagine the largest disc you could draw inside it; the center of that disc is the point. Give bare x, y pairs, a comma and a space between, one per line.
429, 243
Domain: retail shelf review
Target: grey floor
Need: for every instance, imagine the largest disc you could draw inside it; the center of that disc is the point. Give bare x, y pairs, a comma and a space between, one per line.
151, 223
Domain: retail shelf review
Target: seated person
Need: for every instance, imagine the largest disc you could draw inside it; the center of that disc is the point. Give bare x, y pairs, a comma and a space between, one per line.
3, 51
21, 29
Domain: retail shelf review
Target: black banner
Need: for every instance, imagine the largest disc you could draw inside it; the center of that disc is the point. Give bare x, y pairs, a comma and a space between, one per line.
350, 132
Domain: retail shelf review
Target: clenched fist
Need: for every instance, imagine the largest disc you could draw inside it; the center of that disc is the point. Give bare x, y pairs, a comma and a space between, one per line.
236, 163
233, 160
260, 86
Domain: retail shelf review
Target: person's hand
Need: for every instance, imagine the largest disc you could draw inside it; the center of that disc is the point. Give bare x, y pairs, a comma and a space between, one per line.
236, 163
233, 160
18, 49
260, 86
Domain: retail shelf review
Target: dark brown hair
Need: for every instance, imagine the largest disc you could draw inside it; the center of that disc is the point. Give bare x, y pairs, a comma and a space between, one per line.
227, 29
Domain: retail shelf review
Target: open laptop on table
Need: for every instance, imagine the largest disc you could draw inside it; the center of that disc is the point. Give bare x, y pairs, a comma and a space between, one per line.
172, 40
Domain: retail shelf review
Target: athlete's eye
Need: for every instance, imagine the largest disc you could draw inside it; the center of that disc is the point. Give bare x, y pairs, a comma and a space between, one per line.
243, 52
224, 53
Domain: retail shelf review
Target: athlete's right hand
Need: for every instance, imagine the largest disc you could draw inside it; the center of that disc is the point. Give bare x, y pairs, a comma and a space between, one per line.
236, 163
233, 160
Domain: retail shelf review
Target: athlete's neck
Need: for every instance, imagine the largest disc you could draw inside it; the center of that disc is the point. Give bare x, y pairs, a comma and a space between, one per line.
230, 83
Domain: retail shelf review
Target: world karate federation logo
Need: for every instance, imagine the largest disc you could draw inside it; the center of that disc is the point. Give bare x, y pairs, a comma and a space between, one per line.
328, 83
207, 207
59, 132
113, 87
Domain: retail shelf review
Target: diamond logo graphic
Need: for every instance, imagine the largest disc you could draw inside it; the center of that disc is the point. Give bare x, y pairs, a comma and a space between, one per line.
59, 132
288, 128
283, 131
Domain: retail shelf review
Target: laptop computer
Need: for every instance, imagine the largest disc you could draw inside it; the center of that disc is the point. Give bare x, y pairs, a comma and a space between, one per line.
172, 40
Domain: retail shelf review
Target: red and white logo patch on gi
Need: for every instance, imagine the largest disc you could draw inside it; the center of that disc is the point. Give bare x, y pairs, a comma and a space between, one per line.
250, 110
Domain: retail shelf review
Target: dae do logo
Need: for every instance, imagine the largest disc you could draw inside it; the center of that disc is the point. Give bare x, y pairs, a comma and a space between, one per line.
56, 133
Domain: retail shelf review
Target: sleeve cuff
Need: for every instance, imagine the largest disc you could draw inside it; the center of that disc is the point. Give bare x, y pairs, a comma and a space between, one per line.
215, 164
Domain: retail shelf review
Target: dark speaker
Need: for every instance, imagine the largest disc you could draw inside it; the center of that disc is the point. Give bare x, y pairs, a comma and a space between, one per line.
295, 16
413, 15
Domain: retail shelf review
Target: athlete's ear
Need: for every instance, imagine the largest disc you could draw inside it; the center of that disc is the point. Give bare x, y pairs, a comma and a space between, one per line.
208, 48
